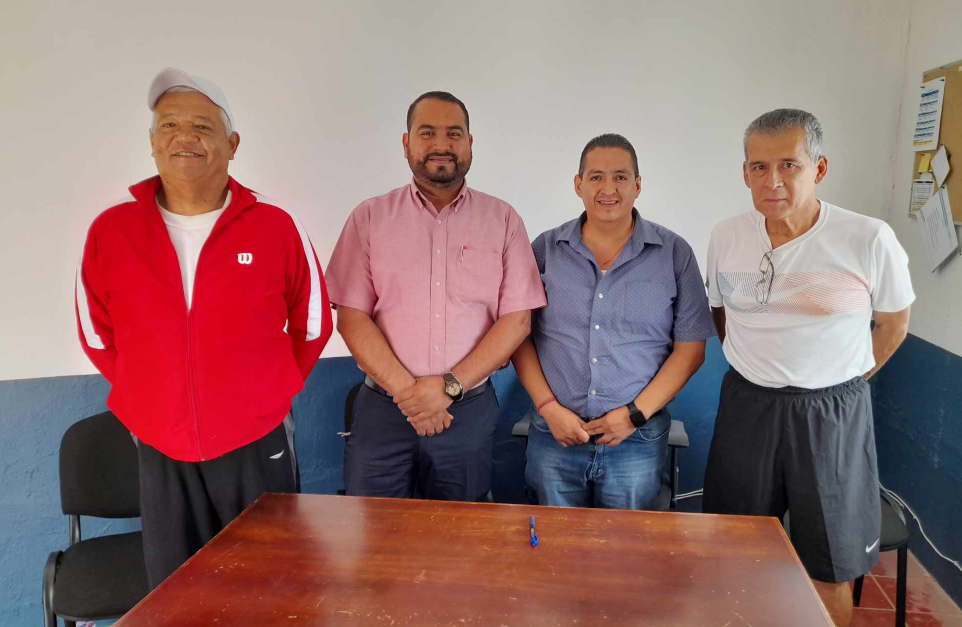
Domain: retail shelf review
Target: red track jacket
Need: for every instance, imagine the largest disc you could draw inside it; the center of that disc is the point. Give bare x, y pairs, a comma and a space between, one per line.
201, 382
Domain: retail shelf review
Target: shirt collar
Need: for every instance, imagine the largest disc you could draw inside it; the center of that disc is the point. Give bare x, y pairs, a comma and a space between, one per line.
643, 234
165, 211
424, 203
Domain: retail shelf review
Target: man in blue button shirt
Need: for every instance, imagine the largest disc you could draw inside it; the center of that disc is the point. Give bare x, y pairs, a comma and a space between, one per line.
624, 330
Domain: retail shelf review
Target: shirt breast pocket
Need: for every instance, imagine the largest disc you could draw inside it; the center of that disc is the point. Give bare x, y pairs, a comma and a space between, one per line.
478, 276
649, 308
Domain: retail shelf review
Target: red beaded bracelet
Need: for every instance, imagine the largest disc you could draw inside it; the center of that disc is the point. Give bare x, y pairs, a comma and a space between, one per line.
547, 402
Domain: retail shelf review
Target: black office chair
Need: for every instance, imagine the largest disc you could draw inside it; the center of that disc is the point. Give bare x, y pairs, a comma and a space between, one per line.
677, 438
103, 577
349, 418
349, 408
894, 537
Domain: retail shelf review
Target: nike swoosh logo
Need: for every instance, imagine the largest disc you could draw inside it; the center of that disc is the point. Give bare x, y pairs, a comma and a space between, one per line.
869, 548
278, 456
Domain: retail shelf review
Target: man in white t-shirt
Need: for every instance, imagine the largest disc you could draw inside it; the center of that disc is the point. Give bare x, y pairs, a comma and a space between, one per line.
794, 287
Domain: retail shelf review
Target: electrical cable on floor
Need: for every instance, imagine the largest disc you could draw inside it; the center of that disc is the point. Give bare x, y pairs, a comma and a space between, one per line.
898, 499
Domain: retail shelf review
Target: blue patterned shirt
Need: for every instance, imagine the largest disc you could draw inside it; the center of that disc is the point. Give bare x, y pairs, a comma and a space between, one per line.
603, 338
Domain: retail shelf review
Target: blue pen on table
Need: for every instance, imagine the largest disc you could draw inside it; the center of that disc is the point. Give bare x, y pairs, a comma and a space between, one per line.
534, 534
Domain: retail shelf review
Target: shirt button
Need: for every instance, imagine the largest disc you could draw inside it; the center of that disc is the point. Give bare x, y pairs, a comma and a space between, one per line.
437, 283
594, 392
437, 315
439, 251
439, 222
594, 360
597, 327
436, 347
601, 295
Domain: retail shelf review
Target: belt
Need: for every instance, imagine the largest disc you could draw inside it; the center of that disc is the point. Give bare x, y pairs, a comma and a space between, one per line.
369, 382
594, 438
650, 418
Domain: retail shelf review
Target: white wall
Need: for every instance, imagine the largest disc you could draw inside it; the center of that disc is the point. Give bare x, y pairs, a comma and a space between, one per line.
937, 312
320, 91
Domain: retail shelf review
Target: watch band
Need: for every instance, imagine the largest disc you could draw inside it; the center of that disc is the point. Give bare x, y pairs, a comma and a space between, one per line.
638, 418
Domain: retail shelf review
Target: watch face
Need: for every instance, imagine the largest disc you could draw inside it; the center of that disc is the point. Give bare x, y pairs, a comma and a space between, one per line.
452, 387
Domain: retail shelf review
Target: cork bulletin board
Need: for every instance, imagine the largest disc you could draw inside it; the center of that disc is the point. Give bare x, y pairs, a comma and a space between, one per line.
950, 133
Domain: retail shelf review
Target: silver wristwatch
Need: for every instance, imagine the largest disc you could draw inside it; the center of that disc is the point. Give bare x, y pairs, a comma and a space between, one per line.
453, 387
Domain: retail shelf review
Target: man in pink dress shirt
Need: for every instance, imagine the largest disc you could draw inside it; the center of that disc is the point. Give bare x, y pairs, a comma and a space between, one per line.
434, 283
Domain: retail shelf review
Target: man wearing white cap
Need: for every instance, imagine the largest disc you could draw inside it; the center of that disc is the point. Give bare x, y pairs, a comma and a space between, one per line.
204, 305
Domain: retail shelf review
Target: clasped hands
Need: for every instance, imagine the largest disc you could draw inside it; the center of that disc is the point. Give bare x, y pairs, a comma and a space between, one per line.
569, 429
426, 405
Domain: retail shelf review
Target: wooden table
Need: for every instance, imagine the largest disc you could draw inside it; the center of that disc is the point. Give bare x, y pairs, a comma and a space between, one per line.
329, 560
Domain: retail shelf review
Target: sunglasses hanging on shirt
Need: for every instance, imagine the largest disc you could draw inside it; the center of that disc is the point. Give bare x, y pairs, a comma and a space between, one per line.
763, 289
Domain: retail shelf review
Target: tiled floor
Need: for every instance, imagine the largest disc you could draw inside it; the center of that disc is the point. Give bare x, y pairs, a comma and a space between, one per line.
927, 605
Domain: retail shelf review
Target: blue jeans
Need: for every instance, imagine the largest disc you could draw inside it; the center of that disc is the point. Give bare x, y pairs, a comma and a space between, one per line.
628, 476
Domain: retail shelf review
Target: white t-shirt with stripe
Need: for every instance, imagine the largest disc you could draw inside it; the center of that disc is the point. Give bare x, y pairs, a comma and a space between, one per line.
808, 325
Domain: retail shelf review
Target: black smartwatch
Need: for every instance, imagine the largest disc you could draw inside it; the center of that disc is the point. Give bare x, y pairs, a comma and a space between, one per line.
637, 417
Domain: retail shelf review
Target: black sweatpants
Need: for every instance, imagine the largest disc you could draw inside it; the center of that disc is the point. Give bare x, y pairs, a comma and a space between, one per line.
185, 504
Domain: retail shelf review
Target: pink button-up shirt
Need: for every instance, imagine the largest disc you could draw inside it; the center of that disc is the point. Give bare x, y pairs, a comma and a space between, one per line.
434, 282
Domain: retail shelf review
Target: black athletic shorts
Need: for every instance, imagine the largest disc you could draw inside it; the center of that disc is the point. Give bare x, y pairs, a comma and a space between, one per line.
810, 452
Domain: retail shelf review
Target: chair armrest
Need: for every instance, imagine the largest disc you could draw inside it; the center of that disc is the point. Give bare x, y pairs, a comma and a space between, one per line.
677, 436
521, 427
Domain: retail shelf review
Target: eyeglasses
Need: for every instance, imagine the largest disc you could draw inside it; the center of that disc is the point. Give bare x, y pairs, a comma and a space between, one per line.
763, 289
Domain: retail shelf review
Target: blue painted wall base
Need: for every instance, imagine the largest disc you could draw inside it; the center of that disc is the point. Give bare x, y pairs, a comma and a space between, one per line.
918, 404
917, 399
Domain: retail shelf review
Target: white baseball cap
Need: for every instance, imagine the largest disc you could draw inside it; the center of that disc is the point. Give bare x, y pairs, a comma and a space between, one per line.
172, 77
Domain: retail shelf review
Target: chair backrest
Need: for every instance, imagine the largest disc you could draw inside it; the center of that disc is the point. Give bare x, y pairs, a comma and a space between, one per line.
98, 469
349, 407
